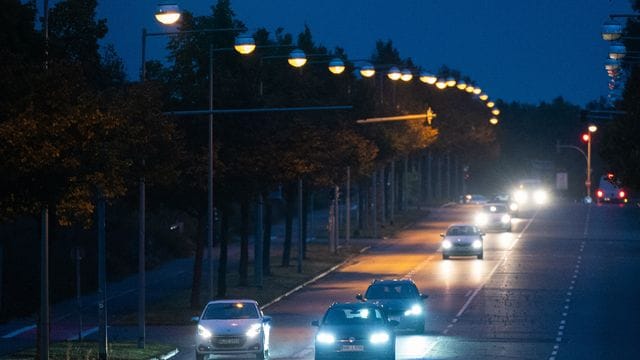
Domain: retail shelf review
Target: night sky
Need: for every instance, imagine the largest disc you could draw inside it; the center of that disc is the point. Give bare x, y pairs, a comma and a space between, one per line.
516, 50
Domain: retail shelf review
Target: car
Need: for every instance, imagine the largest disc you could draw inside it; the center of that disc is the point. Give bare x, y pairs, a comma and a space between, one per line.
531, 193
401, 300
493, 216
610, 191
355, 331
462, 240
232, 327
474, 199
508, 201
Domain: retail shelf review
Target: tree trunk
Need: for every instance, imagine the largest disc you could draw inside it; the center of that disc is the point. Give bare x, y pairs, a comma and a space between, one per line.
224, 244
266, 238
196, 280
243, 269
289, 209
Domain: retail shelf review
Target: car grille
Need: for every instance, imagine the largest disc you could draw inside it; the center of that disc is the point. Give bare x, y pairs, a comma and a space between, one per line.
461, 245
228, 342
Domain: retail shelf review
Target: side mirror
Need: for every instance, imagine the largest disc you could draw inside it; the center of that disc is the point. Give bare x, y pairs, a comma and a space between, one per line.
441, 234
424, 296
315, 323
266, 319
360, 297
195, 319
394, 323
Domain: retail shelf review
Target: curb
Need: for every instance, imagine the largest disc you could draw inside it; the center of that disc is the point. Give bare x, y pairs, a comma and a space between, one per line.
168, 355
318, 277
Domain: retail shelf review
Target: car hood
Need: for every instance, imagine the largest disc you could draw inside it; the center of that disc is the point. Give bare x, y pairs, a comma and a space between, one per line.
229, 327
464, 239
355, 331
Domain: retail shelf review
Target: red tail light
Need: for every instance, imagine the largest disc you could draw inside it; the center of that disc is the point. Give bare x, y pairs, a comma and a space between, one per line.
621, 194
599, 193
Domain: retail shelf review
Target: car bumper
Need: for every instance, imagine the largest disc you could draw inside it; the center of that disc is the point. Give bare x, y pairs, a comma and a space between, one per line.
368, 352
230, 345
462, 251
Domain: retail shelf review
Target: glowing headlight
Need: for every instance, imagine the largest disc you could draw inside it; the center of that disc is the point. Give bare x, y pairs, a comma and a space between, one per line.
379, 338
521, 196
204, 332
513, 206
325, 338
477, 244
254, 330
506, 218
446, 244
482, 219
414, 311
540, 197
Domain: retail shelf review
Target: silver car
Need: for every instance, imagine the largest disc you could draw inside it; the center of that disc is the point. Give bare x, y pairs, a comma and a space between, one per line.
232, 327
462, 239
494, 216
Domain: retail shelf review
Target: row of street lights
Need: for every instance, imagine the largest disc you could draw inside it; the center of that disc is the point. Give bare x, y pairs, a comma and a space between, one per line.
613, 31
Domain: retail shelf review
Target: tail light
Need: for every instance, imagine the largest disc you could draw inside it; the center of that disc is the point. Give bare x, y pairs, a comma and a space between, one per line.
621, 194
599, 193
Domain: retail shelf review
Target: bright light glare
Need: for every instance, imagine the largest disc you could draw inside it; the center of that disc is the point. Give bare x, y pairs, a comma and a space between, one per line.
414, 346
406, 75
394, 74
513, 206
364, 313
204, 332
414, 311
441, 84
254, 330
325, 338
521, 196
336, 66
244, 44
367, 70
297, 58
168, 14
428, 78
540, 197
477, 244
446, 244
505, 219
482, 219
379, 337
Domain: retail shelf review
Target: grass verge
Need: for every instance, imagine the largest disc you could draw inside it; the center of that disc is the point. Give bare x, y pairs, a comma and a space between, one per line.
89, 350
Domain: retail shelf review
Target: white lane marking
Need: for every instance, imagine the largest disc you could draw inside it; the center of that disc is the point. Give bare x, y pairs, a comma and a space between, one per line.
504, 259
586, 223
19, 331
468, 293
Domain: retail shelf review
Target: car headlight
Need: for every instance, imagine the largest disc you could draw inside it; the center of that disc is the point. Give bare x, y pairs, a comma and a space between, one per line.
506, 218
204, 332
521, 196
379, 337
325, 338
540, 197
482, 219
513, 206
414, 311
254, 330
477, 244
446, 244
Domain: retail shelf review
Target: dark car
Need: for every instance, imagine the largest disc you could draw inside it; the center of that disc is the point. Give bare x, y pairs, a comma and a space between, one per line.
462, 240
401, 300
355, 331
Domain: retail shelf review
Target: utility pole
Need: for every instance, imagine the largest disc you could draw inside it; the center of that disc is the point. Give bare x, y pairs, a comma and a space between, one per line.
44, 286
102, 281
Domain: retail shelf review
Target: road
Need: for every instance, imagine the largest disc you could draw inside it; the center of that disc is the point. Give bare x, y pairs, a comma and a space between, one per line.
562, 285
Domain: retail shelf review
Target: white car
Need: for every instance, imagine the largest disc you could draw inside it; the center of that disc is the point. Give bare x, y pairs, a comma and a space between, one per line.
494, 216
462, 239
232, 327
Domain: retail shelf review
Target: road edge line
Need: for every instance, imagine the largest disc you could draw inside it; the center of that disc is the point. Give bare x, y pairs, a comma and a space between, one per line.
318, 277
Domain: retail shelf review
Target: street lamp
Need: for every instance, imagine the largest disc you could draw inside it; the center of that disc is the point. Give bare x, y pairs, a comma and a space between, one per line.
461, 85
367, 70
297, 58
441, 84
406, 75
483, 97
469, 88
428, 78
494, 121
394, 73
336, 66
451, 82
587, 137
168, 14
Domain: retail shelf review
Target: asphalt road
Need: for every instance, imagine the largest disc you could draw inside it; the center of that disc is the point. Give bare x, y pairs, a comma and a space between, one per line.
562, 285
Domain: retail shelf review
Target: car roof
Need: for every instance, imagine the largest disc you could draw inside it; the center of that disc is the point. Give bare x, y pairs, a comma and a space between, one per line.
353, 305
392, 281
460, 225
233, 301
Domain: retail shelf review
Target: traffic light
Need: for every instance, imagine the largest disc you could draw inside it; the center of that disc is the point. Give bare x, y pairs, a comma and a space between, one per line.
610, 176
585, 137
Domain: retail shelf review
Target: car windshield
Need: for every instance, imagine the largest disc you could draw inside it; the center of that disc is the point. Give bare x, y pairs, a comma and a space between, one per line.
462, 230
353, 316
493, 208
225, 311
391, 291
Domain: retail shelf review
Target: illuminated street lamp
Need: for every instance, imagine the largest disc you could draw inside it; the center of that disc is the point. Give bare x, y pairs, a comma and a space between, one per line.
441, 84
244, 44
490, 104
494, 121
336, 66
168, 14
461, 85
367, 70
297, 58
477, 91
587, 138
483, 97
617, 51
611, 30
612, 64
394, 73
495, 111
406, 75
428, 78
469, 88
451, 82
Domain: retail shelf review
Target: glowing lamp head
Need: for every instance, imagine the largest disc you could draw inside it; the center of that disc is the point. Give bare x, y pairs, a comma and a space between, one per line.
477, 91
469, 89
394, 73
494, 121
297, 58
336, 66
461, 85
167, 14
441, 84
617, 51
367, 70
244, 44
406, 75
483, 97
495, 111
451, 82
611, 30
592, 128
428, 78
490, 104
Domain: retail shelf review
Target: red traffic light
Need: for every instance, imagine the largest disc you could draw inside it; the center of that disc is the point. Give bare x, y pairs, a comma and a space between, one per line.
585, 137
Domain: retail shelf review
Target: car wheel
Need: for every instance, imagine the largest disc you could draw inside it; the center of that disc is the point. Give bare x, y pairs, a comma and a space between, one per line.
480, 256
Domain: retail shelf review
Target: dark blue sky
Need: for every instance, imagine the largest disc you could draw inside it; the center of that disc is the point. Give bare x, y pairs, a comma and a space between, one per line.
522, 50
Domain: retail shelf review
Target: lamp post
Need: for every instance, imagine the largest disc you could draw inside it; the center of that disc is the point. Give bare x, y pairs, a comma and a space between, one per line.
244, 44
592, 129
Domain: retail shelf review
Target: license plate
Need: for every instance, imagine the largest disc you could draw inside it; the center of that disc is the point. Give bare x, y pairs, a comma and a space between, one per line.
230, 341
352, 348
